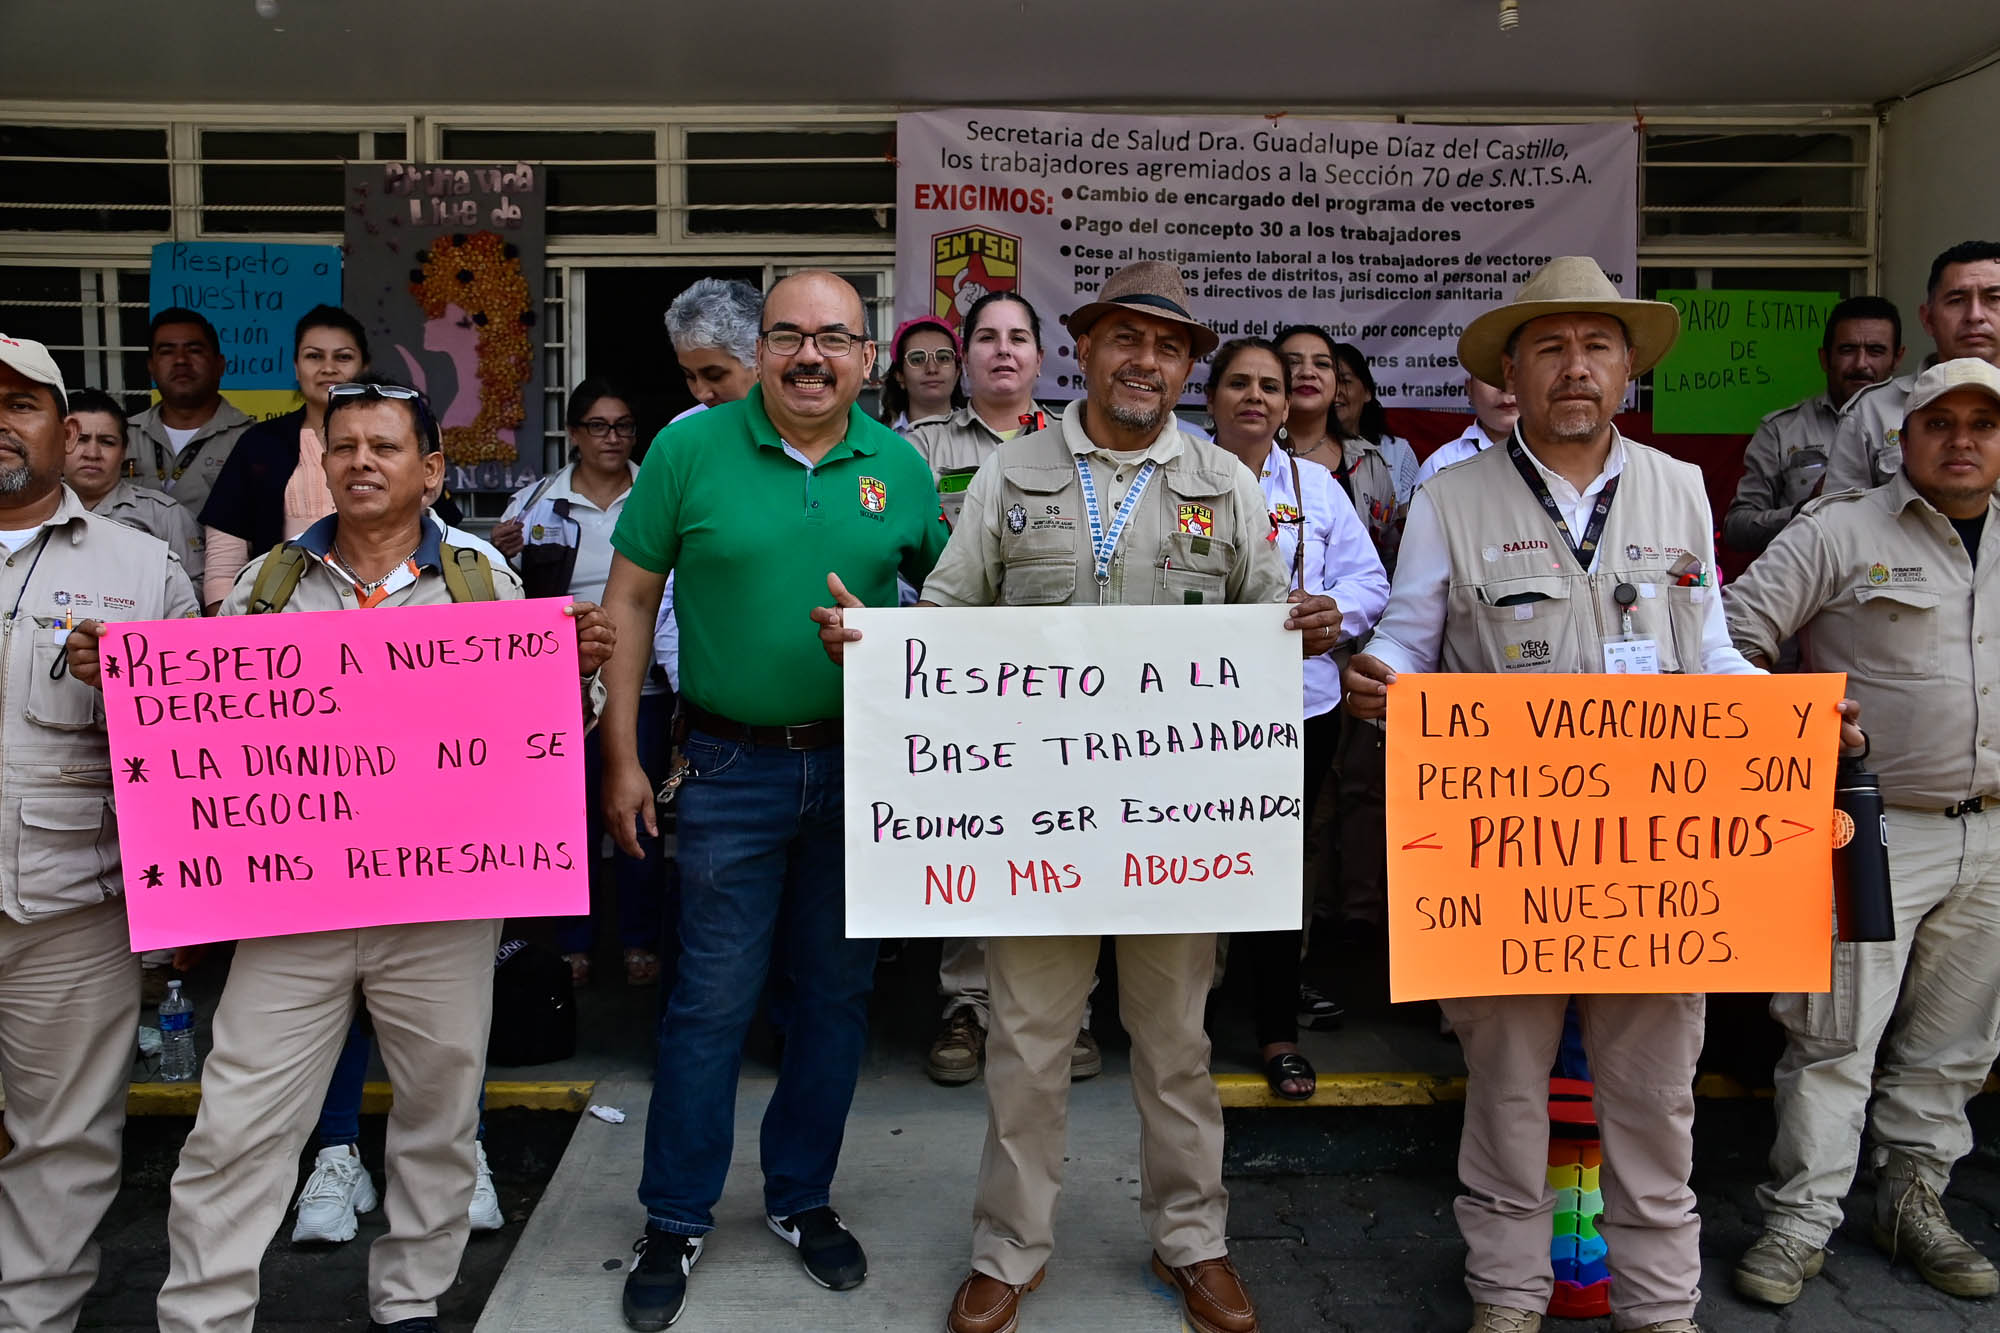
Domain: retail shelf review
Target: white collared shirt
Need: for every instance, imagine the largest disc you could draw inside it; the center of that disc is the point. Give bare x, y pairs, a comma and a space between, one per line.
587, 528
1410, 634
1340, 560
1469, 445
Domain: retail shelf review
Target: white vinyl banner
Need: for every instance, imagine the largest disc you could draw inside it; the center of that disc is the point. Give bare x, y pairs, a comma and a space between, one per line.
1118, 770
1390, 236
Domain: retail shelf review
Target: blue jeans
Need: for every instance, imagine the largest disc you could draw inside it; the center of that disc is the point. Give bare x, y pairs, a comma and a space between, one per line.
340, 1112
639, 884
761, 857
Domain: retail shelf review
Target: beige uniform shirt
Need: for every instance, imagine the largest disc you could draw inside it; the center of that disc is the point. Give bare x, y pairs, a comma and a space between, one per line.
1868, 444
1783, 463
190, 476
1200, 533
58, 831
155, 512
954, 445
1877, 584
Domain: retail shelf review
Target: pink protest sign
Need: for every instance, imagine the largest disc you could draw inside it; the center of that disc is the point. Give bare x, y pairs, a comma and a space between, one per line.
286, 773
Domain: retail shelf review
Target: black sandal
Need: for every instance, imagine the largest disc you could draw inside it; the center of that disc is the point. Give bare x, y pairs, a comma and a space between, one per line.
1290, 1067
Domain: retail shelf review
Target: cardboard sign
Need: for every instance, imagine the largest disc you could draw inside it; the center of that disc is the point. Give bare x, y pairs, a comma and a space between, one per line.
1596, 834
1741, 355
1115, 770
254, 295
287, 773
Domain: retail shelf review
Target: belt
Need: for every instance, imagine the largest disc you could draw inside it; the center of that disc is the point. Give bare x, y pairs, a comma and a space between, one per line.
1973, 805
798, 736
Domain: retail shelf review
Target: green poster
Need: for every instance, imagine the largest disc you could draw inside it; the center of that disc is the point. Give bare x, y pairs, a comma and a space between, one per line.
1740, 356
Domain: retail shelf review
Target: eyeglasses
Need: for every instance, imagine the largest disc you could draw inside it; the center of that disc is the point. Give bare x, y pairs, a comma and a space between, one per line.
597, 428
787, 342
917, 358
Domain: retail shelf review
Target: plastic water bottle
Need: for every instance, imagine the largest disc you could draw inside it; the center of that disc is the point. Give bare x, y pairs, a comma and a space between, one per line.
177, 1060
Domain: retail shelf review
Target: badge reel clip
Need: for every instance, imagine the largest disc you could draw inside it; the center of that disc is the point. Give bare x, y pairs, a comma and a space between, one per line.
1627, 654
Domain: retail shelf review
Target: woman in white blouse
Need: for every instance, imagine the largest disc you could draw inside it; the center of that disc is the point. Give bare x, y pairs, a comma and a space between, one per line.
1327, 550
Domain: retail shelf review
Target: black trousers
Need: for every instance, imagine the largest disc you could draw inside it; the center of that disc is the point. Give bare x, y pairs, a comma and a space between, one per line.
1273, 955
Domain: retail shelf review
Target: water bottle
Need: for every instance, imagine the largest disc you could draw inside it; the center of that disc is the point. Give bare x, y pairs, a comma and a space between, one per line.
177, 1061
1864, 909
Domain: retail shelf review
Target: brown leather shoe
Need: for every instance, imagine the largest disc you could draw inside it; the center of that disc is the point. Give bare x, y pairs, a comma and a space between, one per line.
988, 1305
1212, 1295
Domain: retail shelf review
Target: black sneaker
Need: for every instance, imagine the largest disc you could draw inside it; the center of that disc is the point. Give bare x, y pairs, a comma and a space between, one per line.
828, 1249
1317, 1012
656, 1290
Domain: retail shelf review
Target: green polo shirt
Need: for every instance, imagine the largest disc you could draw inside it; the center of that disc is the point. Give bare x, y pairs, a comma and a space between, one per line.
750, 534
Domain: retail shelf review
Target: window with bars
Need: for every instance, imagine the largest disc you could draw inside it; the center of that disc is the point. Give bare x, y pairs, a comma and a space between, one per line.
265, 181
599, 182
70, 179
800, 182
1725, 187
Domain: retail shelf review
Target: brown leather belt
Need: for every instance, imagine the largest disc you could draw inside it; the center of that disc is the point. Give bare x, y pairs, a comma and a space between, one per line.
799, 736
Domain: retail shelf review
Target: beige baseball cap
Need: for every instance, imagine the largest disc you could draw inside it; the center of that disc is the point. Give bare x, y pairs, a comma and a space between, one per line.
32, 359
1966, 372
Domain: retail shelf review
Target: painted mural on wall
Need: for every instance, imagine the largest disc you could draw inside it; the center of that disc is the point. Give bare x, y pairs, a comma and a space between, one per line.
444, 267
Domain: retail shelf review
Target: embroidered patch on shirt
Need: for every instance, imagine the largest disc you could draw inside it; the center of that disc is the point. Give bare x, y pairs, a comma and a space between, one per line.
1017, 518
1197, 519
874, 495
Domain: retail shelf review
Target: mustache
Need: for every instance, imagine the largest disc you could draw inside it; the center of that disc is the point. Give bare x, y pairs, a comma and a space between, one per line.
1583, 389
1157, 382
807, 372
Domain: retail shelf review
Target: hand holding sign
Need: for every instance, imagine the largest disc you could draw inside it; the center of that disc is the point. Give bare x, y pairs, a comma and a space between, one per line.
595, 636
1554, 834
82, 651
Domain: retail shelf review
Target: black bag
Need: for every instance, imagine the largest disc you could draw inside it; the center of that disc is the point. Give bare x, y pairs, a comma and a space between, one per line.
534, 1006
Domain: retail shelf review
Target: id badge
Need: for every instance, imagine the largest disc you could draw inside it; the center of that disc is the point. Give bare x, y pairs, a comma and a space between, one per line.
1632, 657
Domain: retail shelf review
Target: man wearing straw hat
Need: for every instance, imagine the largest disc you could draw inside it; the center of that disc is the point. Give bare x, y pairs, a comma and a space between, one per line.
1120, 454
1517, 560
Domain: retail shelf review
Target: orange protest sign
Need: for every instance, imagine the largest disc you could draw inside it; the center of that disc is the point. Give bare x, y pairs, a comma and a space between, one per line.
1611, 834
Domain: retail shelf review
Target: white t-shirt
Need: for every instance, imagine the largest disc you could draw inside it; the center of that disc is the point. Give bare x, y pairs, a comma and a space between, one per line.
16, 540
179, 438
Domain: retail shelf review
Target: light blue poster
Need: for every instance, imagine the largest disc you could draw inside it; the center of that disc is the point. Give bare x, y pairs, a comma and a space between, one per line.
253, 294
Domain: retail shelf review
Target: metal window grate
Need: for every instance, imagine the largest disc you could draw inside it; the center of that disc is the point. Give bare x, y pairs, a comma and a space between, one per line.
1724, 187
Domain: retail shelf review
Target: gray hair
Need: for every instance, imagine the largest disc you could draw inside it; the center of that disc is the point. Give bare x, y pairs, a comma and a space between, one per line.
719, 314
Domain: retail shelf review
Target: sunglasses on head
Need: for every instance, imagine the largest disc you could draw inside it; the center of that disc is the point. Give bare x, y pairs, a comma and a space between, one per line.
396, 392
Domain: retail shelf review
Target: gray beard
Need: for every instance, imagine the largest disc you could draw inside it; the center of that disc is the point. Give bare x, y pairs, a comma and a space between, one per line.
16, 479
1133, 419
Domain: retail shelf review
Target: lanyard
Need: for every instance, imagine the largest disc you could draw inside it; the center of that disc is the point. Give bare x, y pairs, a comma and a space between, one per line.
1105, 544
41, 544
1585, 550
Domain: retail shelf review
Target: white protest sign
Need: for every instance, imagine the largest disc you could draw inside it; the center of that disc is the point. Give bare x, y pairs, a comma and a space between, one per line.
1117, 770
1390, 236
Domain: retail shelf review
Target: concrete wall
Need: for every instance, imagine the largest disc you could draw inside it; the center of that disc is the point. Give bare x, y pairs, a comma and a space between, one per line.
1940, 185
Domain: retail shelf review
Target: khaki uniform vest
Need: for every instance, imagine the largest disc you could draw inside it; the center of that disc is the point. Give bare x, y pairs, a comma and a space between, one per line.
1518, 600
1200, 533
955, 445
58, 832
1370, 481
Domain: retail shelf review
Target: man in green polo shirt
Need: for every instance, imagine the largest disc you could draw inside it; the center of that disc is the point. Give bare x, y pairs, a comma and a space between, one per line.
749, 505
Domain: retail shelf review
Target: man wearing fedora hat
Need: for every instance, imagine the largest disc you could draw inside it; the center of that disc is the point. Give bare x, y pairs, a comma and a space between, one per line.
1187, 524
1570, 528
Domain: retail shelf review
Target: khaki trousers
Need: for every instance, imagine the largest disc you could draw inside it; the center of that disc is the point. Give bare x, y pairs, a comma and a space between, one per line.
1642, 1050
69, 1005
278, 1031
1924, 1007
962, 977
1038, 991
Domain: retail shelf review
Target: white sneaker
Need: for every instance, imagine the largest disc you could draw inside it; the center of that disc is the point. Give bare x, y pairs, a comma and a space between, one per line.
485, 1211
338, 1188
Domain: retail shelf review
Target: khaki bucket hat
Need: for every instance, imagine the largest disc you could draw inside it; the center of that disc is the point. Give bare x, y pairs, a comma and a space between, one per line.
1148, 287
